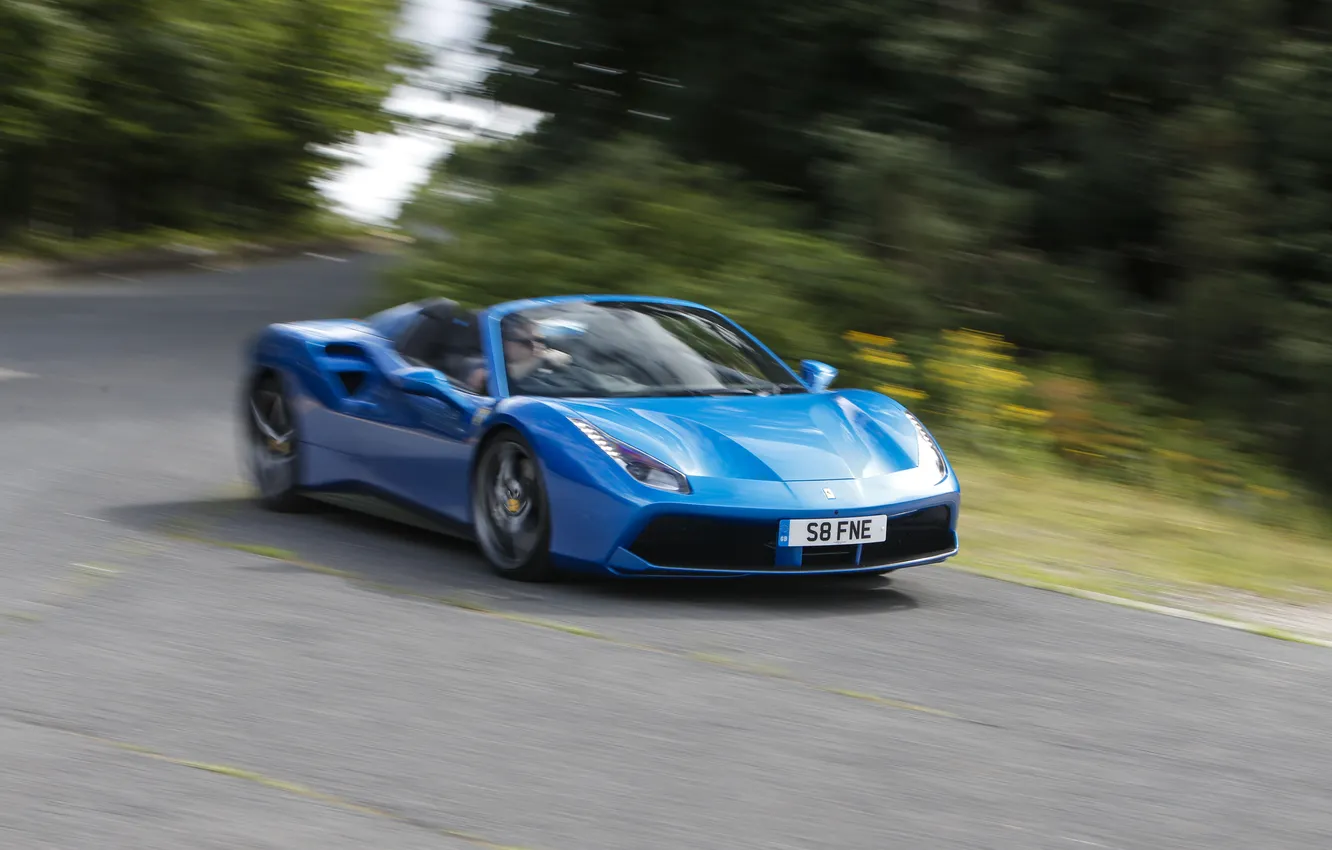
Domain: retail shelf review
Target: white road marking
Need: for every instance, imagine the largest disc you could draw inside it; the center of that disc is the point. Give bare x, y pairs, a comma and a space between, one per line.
81, 516
12, 374
94, 568
325, 257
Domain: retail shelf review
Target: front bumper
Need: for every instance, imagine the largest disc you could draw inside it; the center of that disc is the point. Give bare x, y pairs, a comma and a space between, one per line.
729, 527
711, 545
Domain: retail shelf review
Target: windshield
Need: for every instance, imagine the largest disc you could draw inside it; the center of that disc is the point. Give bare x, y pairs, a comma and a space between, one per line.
627, 349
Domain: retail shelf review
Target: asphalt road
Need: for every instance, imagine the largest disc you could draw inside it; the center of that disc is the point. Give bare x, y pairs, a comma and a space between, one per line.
161, 687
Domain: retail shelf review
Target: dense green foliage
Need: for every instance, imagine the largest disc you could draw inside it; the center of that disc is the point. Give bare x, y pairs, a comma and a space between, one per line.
1146, 186
124, 115
635, 221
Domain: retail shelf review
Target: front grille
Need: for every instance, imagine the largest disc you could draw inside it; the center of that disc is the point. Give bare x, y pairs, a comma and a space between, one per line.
827, 557
915, 535
701, 542
698, 541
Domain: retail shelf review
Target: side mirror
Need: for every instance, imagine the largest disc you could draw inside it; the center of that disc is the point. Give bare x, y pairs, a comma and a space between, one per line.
817, 375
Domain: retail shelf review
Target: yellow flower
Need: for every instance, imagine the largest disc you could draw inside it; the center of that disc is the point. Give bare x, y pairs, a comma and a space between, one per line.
886, 358
903, 392
862, 338
1025, 414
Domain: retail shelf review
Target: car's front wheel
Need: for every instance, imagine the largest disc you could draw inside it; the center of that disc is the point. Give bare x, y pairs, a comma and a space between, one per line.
510, 510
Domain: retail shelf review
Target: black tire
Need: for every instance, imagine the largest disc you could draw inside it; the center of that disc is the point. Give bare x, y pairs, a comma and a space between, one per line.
274, 465
510, 511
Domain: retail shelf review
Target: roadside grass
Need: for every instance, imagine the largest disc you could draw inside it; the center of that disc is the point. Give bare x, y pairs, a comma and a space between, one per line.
1044, 523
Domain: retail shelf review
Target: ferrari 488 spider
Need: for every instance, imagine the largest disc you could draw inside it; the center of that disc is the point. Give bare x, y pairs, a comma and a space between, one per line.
632, 436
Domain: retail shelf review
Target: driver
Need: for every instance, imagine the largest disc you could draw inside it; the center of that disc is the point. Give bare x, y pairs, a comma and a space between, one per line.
525, 355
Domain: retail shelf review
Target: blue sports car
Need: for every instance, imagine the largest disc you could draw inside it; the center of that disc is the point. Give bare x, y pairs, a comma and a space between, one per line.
625, 435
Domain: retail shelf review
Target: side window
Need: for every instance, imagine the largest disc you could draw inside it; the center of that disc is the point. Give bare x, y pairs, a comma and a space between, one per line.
463, 360
449, 341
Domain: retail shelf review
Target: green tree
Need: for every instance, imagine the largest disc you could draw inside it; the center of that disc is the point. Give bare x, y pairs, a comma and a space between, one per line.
638, 221
133, 114
1146, 185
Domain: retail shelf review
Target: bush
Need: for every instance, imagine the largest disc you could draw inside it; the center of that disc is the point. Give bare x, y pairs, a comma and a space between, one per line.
640, 223
968, 385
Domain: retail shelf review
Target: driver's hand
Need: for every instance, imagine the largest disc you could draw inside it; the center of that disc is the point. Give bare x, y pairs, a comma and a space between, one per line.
557, 358
477, 380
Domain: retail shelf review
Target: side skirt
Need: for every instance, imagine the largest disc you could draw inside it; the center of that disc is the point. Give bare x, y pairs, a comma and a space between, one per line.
368, 499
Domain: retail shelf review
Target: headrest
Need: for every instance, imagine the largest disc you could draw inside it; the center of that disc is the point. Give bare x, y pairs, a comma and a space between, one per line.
438, 307
442, 329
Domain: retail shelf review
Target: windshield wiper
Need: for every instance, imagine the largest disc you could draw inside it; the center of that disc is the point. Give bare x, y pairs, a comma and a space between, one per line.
692, 392
773, 388
666, 392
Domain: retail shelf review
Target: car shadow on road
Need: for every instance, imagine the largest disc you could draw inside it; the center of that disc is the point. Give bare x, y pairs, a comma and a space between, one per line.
387, 554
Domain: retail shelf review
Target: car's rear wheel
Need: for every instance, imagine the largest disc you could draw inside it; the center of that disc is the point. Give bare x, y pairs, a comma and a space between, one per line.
510, 510
273, 445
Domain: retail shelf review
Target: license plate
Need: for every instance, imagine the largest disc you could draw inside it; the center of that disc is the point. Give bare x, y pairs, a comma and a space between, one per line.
839, 531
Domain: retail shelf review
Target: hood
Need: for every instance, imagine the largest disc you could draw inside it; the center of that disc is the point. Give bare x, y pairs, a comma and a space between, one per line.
799, 437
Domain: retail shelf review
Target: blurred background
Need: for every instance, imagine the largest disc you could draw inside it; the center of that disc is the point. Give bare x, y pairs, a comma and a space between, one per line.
1087, 241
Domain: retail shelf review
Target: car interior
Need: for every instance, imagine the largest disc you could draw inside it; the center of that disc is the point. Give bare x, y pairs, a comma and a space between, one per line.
445, 337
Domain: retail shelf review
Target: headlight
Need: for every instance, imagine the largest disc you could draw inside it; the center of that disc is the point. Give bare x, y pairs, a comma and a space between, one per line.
929, 447
644, 468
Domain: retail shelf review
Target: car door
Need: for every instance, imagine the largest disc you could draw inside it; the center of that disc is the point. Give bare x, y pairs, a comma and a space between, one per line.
427, 457
433, 451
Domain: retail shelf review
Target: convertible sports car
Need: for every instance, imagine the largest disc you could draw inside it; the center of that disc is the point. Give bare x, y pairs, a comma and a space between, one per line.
632, 436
